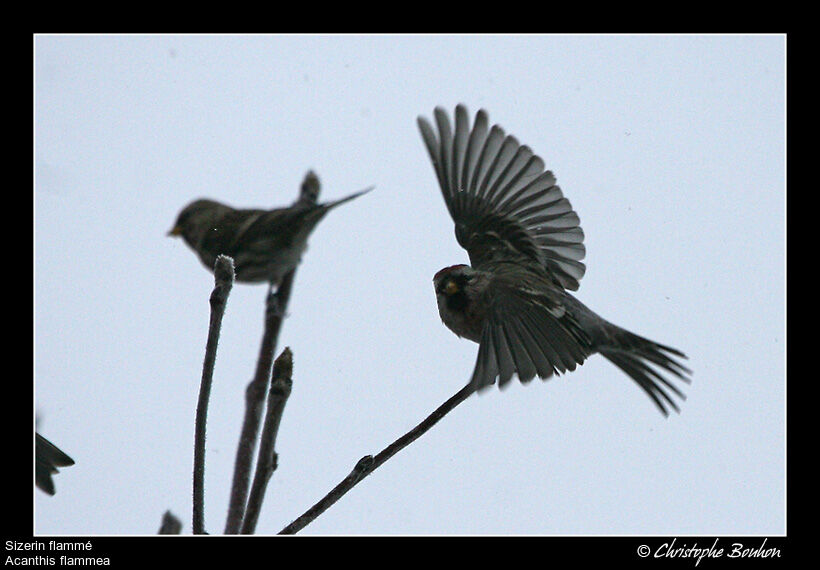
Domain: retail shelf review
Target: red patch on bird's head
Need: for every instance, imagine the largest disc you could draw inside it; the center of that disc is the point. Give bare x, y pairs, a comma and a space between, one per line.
447, 270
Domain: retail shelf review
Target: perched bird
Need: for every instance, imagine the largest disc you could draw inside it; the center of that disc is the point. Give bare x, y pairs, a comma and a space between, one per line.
47, 458
525, 245
264, 244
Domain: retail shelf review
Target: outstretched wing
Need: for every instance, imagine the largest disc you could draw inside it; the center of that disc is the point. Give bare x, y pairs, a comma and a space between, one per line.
504, 204
47, 458
532, 336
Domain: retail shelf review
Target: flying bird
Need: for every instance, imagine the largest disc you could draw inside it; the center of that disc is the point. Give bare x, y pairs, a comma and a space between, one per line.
47, 458
525, 246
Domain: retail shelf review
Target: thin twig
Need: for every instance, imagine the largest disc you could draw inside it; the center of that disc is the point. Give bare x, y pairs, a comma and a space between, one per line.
267, 461
223, 282
367, 464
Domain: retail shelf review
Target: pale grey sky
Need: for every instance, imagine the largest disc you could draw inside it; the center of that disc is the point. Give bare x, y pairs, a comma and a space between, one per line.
671, 150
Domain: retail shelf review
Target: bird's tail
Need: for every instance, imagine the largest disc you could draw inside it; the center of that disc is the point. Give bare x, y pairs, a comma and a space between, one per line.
341, 201
633, 354
309, 195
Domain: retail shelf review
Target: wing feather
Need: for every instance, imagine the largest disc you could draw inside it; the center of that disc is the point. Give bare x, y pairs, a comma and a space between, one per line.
504, 204
525, 338
445, 150
489, 151
524, 366
486, 367
432, 144
475, 147
503, 354
497, 169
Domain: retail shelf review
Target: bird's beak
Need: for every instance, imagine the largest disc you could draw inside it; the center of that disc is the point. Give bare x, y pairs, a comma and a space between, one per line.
175, 231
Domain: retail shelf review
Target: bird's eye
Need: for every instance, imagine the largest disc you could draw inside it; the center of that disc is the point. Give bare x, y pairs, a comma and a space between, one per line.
451, 287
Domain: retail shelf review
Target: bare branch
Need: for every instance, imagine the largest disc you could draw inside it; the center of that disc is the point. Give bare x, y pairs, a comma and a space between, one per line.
254, 402
275, 309
266, 463
170, 524
223, 279
367, 464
